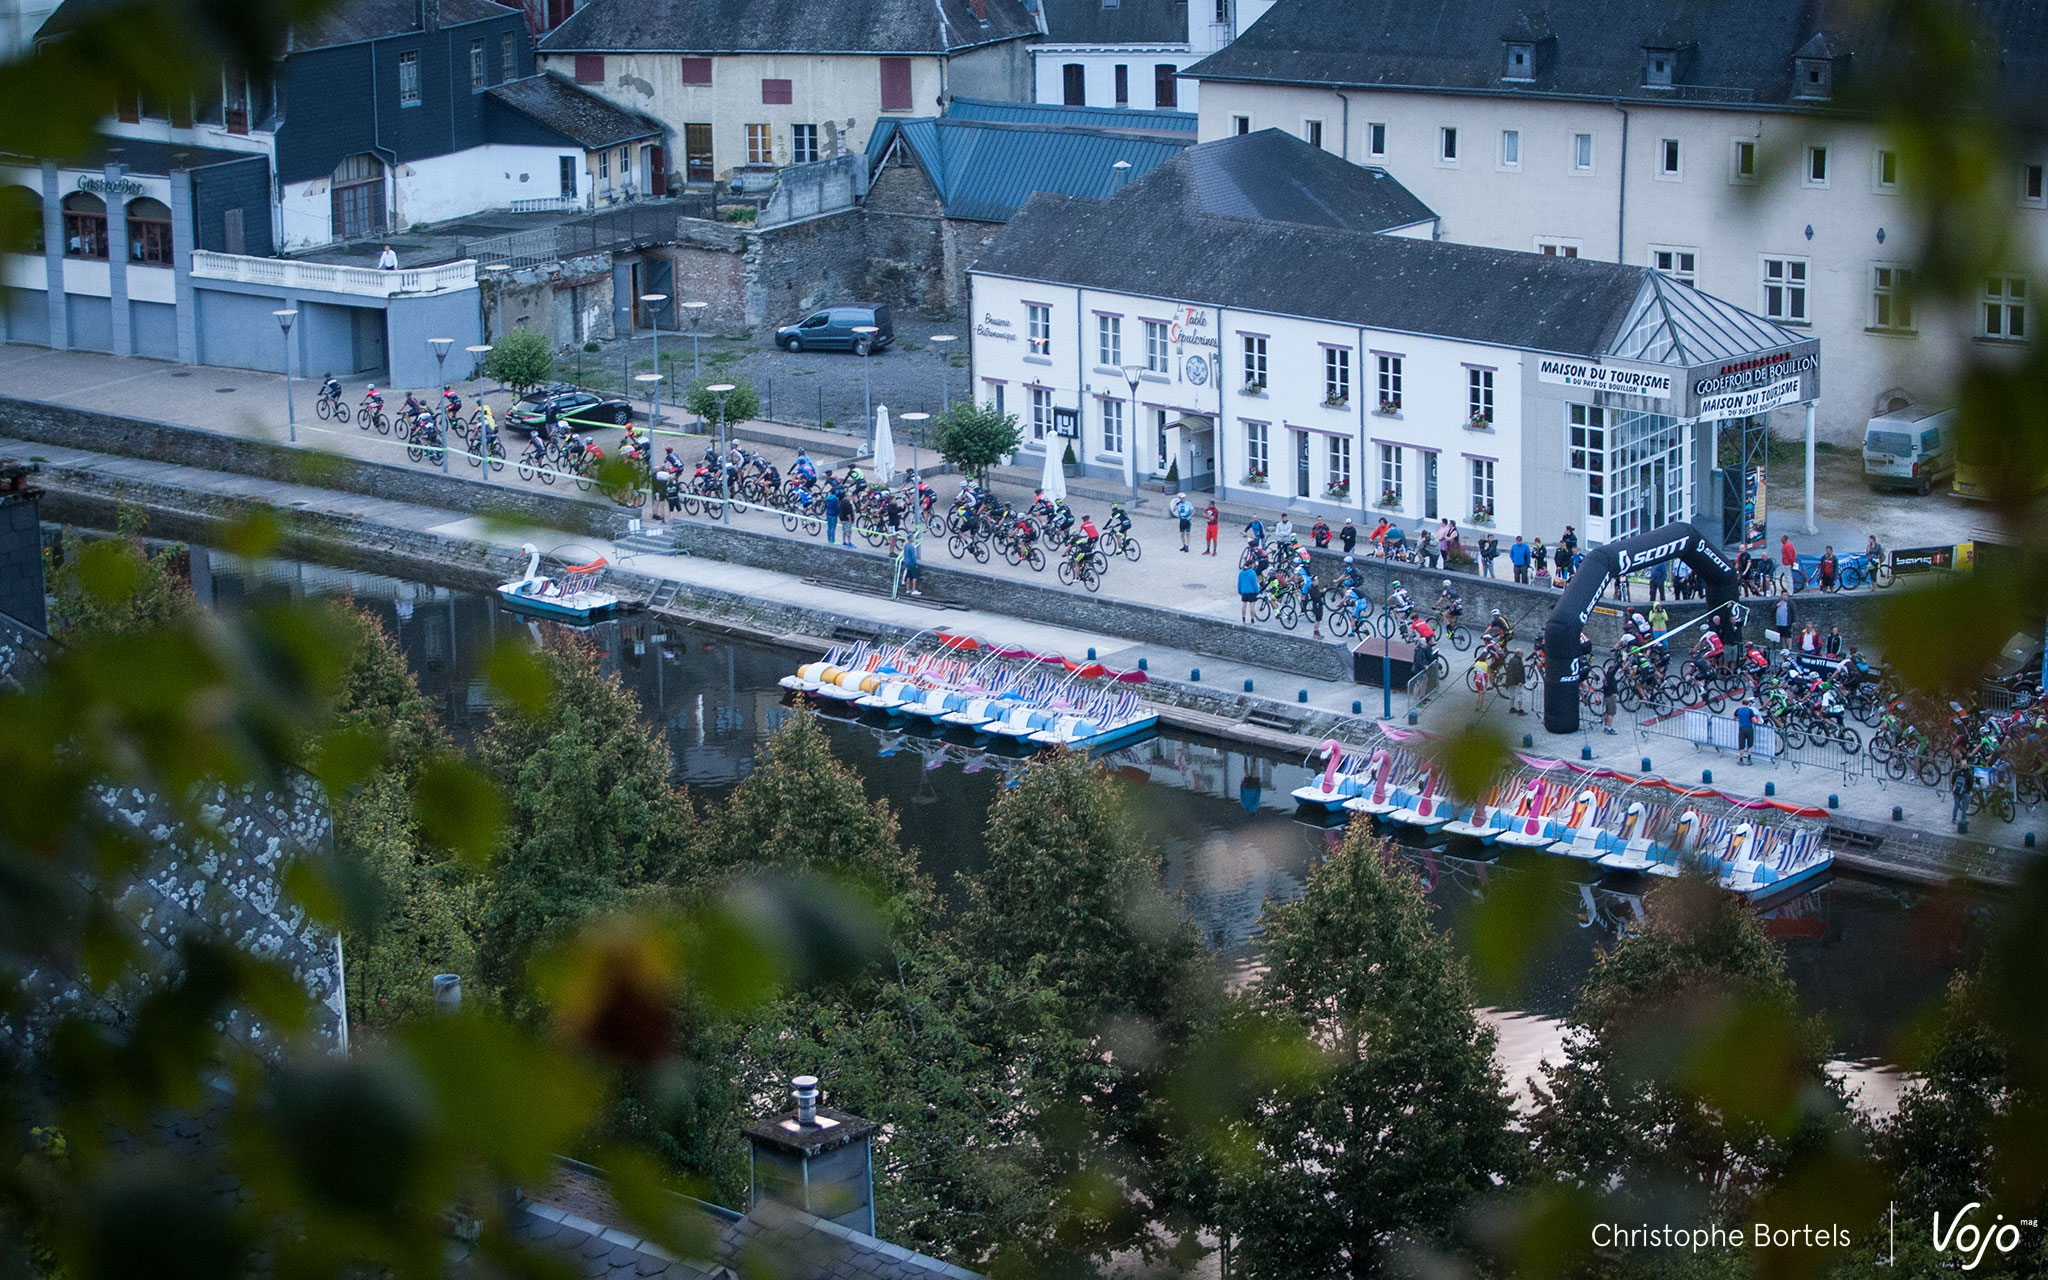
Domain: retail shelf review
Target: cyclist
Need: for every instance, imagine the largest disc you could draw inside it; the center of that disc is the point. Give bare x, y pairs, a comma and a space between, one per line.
1449, 605
1399, 601
1498, 630
373, 402
451, 404
1089, 533
413, 407
1119, 519
1353, 579
1319, 532
330, 390
802, 466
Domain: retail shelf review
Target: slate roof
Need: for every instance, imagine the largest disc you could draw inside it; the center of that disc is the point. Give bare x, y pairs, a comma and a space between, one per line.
789, 26
1172, 235
1048, 113
1741, 50
984, 170
1125, 22
353, 21
1276, 176
576, 113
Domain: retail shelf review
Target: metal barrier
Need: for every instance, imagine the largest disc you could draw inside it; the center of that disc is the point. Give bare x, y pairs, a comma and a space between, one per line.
633, 226
1704, 730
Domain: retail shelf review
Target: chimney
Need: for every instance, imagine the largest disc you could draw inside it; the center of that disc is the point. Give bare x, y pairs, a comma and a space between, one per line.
816, 1160
447, 993
980, 8
430, 15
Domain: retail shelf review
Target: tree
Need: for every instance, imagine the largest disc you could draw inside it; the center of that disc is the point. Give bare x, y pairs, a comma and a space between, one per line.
114, 586
741, 403
521, 359
1410, 1120
1688, 1067
974, 436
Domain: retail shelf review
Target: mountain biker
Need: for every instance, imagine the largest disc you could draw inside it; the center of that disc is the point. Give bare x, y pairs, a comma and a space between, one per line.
802, 467
1498, 628
1352, 578
451, 403
1399, 601
1448, 603
1319, 532
1089, 533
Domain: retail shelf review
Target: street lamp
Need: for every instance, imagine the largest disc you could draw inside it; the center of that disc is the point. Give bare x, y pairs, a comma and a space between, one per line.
653, 301
696, 310
941, 341
1132, 373
865, 344
441, 346
920, 419
495, 272
477, 351
652, 382
722, 390
291, 414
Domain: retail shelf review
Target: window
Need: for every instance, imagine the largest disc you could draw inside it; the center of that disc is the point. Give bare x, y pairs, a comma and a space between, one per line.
357, 197
1254, 361
995, 397
1482, 488
694, 71
1657, 66
1155, 346
1582, 152
234, 107
85, 225
1511, 149
604, 166
776, 93
1887, 173
1586, 452
1521, 62
1122, 81
1336, 375
1390, 475
149, 232
1074, 84
1376, 140
1558, 248
1447, 145
1165, 85
568, 171
1240, 124
1891, 302
1337, 466
2005, 306
1479, 395
1112, 425
1312, 130
1667, 158
1255, 451
697, 153
1785, 289
1742, 161
1390, 384
409, 79
476, 65
1223, 11
760, 144
508, 58
2030, 184
803, 144
895, 84
1041, 413
1109, 341
1816, 166
1680, 264
1038, 329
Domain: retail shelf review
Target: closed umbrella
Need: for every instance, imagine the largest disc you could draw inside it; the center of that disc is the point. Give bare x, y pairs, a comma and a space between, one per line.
1054, 481
885, 449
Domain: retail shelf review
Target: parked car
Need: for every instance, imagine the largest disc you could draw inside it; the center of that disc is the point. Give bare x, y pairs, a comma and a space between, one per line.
1910, 448
833, 330
579, 408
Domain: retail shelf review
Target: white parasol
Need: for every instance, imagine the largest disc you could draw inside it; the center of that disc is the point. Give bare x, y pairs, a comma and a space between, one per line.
885, 449
1054, 481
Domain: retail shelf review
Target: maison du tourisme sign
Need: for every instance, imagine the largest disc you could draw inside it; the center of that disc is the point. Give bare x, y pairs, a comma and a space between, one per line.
1590, 375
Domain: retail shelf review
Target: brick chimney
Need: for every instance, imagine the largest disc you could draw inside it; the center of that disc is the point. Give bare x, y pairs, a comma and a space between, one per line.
980, 8
816, 1160
430, 15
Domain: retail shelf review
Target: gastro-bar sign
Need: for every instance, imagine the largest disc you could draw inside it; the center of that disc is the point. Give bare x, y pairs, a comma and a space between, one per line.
1591, 375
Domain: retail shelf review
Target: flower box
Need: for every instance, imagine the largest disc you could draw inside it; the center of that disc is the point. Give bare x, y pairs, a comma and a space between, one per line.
1482, 518
1479, 422
1391, 498
1339, 402
1390, 407
1341, 489
1253, 389
1255, 479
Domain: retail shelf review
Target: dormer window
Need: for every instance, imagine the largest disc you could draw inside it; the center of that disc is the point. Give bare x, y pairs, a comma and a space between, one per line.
1814, 79
1521, 62
1658, 66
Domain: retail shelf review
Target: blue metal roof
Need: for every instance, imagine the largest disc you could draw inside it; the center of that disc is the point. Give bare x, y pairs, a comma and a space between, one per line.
1088, 117
985, 170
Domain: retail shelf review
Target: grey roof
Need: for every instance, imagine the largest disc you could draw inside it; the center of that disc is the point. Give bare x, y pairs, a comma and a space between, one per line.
1276, 176
1739, 51
1166, 236
353, 21
155, 159
1671, 324
574, 112
1049, 113
984, 170
1124, 22
790, 26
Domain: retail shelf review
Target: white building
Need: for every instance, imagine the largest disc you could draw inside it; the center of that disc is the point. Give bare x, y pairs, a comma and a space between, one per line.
1700, 140
1130, 53
1298, 338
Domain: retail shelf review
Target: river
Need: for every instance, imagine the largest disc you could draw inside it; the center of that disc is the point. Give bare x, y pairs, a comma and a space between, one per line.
1864, 953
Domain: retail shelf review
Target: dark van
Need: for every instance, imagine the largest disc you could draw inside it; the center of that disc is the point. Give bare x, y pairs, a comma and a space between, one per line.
837, 329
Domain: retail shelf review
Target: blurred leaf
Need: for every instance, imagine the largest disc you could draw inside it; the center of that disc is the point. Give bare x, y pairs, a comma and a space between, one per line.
502, 1093
1835, 1187
1472, 758
254, 535
1541, 1233
344, 758
109, 568
153, 1217
459, 810
1516, 926
1940, 637
614, 987
636, 1182
517, 673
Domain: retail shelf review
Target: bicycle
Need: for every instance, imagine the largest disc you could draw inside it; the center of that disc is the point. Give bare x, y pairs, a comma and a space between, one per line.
423, 441
1079, 565
330, 404
481, 442
370, 413
1856, 571
536, 460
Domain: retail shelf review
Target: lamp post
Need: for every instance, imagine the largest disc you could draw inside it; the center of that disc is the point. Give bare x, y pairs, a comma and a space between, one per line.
651, 381
1386, 637
1132, 373
722, 390
944, 341
865, 344
285, 317
441, 347
920, 419
696, 310
653, 301
477, 352
495, 272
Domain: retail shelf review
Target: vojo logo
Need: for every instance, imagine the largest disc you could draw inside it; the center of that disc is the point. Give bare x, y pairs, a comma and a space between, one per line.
1627, 560
1971, 1240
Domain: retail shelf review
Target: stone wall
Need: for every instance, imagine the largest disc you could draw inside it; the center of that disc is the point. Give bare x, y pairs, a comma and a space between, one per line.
21, 558
570, 300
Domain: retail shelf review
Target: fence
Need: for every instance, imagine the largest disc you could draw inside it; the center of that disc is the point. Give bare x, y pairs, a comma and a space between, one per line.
633, 226
1707, 731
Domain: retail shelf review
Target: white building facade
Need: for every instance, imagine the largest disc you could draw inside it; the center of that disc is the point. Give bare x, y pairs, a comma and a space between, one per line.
1131, 54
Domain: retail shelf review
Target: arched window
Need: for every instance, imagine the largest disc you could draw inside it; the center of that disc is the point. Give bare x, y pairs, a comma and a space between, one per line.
85, 225
149, 231
359, 197
27, 203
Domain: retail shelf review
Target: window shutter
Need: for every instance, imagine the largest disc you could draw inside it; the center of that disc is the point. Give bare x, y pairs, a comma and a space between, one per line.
657, 162
589, 68
775, 93
696, 71
895, 84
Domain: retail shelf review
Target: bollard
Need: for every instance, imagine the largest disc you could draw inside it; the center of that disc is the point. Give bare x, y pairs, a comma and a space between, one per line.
1091, 653
1707, 776
1770, 788
1528, 740
1247, 684
1411, 718
1357, 707
1898, 814
1141, 664
2030, 839
1585, 753
1301, 695
1834, 801
1646, 764
1194, 675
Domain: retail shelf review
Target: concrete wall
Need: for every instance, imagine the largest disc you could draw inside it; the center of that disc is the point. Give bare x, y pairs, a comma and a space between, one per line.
25, 316
154, 329
999, 71
414, 319
1098, 74
570, 300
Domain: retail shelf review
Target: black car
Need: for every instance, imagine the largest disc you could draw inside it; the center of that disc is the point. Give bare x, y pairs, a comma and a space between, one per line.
840, 329
579, 408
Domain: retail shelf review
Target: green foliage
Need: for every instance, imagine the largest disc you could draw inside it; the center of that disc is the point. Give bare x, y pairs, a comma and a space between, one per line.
741, 403
974, 436
114, 586
1068, 458
1332, 1172
522, 359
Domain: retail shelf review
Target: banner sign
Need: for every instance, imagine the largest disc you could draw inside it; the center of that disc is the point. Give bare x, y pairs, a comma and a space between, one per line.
1743, 404
1922, 559
1751, 384
1755, 508
1593, 376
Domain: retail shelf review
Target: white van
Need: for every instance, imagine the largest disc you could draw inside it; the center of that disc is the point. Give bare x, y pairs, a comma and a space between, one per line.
1911, 448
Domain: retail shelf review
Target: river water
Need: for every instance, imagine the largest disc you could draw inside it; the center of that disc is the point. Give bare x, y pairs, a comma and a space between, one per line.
1864, 953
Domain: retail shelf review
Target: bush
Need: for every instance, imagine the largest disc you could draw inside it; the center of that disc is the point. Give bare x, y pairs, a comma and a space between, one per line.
973, 437
741, 403
521, 359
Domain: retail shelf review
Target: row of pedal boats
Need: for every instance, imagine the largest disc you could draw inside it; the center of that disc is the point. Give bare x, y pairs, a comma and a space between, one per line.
1754, 859
1026, 701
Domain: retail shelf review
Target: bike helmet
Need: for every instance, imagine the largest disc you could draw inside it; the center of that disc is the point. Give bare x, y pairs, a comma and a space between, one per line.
1349, 559
1393, 586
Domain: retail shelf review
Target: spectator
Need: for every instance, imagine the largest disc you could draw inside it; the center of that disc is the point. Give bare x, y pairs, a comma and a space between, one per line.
1828, 568
1745, 731
1809, 641
1489, 551
1681, 580
387, 260
1348, 537
1834, 645
1788, 559
1283, 529
1184, 512
1256, 530
1658, 572
1782, 615
1247, 591
1962, 781
1518, 559
1660, 620
1539, 560
1570, 542
1378, 538
1425, 549
912, 569
1514, 672
831, 512
1213, 521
